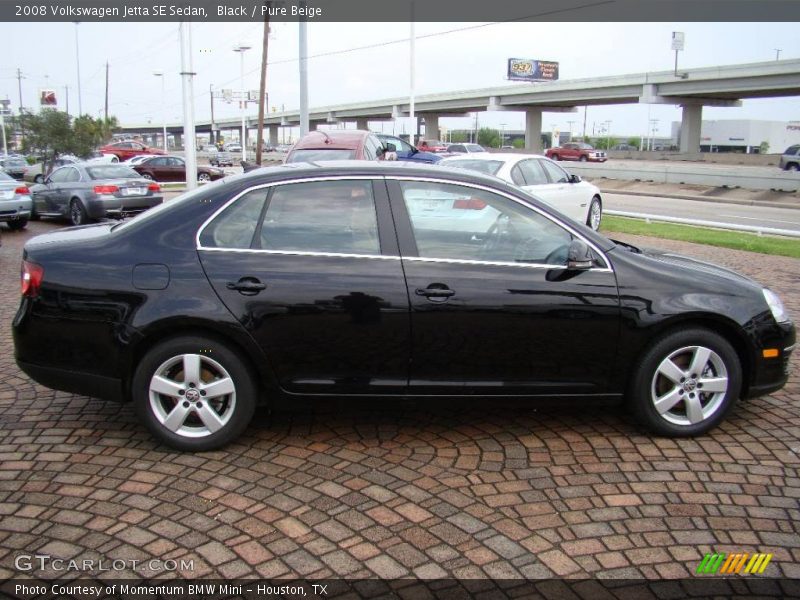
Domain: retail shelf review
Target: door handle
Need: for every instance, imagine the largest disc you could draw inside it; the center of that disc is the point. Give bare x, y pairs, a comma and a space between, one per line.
247, 286
431, 292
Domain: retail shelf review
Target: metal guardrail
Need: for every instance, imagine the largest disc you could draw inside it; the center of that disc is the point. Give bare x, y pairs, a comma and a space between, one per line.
698, 223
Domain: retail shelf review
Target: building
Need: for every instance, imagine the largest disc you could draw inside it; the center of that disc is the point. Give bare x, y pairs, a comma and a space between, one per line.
747, 136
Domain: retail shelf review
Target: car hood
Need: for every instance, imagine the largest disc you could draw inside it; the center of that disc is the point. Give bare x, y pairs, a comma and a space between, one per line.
698, 266
71, 234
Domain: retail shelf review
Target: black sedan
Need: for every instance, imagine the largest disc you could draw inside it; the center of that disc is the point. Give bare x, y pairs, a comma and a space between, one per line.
85, 192
383, 280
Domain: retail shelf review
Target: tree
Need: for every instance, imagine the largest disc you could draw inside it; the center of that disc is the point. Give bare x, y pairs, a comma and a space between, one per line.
635, 142
518, 143
488, 137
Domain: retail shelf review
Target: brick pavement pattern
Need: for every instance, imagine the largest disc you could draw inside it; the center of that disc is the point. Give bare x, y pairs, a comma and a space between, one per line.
401, 492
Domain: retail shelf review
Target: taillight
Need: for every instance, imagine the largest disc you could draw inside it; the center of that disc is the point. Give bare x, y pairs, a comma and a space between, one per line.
154, 187
24, 191
32, 275
469, 204
105, 189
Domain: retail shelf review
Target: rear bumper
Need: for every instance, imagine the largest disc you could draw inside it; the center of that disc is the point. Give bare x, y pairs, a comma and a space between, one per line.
121, 207
76, 382
11, 210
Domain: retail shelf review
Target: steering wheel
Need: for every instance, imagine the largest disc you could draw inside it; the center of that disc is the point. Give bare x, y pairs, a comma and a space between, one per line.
500, 229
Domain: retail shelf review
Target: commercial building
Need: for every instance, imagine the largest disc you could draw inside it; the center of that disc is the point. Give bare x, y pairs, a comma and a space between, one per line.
747, 136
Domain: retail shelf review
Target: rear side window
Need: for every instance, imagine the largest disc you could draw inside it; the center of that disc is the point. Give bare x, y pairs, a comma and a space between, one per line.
112, 172
235, 227
315, 154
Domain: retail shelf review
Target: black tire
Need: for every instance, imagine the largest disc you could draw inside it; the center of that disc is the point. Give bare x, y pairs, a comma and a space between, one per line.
18, 224
77, 213
38, 179
203, 177
148, 176
241, 403
589, 215
793, 167
583, 158
555, 157
647, 383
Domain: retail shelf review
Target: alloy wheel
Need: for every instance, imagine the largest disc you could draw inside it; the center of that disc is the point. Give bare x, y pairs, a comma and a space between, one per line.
595, 214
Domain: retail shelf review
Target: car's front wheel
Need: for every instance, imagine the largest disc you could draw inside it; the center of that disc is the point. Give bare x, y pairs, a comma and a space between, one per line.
555, 157
793, 167
595, 214
686, 382
18, 224
583, 158
194, 393
38, 179
148, 176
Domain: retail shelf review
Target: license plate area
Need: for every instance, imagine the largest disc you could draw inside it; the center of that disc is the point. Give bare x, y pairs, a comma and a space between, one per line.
133, 191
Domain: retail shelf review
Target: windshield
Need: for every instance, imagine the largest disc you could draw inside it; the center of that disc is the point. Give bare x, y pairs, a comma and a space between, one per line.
15, 162
487, 167
111, 172
475, 148
316, 154
5, 176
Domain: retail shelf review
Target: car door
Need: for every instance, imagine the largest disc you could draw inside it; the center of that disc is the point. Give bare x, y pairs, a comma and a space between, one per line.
311, 269
42, 193
53, 197
571, 199
494, 309
174, 169
530, 176
70, 187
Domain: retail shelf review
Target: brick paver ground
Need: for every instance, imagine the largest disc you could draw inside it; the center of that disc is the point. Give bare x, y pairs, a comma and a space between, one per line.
408, 491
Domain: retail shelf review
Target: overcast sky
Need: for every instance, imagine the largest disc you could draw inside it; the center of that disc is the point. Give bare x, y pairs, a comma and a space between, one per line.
450, 56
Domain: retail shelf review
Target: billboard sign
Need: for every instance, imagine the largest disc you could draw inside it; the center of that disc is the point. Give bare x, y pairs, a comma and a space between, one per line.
47, 98
523, 69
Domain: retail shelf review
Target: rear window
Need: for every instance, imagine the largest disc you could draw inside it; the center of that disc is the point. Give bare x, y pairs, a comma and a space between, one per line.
315, 154
15, 162
111, 172
487, 167
475, 148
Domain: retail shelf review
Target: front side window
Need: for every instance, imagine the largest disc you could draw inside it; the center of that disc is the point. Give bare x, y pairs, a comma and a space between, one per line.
157, 162
554, 172
456, 148
533, 172
462, 223
59, 175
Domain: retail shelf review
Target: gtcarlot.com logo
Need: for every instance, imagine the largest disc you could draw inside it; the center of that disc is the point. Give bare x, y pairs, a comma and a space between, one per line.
45, 562
740, 563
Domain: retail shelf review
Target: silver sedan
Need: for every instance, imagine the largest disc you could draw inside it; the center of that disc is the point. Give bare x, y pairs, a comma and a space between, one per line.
15, 202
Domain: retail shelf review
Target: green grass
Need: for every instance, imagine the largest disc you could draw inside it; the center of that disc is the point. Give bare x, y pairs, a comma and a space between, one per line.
738, 240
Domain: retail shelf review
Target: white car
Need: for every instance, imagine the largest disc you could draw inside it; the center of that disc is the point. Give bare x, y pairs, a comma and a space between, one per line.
135, 160
541, 177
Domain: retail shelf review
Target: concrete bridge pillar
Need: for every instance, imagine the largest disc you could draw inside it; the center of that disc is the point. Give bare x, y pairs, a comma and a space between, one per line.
362, 124
431, 127
273, 135
178, 140
691, 122
533, 130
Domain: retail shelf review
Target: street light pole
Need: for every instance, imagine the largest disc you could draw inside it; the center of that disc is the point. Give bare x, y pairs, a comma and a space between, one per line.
241, 49
189, 137
78, 64
160, 75
303, 52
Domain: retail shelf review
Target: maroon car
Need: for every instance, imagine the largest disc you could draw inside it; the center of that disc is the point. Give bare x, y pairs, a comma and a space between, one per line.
129, 149
173, 168
337, 144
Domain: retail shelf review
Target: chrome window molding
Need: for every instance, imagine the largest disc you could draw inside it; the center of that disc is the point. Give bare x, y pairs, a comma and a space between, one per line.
301, 253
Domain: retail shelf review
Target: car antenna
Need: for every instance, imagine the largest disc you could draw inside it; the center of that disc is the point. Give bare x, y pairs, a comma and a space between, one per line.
327, 137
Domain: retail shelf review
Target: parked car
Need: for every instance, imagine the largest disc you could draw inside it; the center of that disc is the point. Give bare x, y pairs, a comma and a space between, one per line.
336, 144
576, 151
405, 151
173, 168
232, 147
625, 147
85, 192
14, 167
128, 149
323, 280
790, 160
221, 159
577, 199
431, 146
283, 148
34, 173
15, 202
465, 148
137, 159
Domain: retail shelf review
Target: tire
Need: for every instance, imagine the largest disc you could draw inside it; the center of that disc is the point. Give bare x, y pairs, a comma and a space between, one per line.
650, 385
595, 214
77, 213
555, 157
204, 177
583, 158
18, 224
793, 167
35, 216
38, 179
148, 176
190, 429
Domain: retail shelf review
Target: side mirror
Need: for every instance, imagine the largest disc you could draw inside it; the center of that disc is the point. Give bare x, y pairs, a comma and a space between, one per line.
579, 256
575, 179
389, 147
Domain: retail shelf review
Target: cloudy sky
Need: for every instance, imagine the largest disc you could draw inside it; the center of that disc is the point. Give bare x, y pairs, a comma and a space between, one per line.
450, 56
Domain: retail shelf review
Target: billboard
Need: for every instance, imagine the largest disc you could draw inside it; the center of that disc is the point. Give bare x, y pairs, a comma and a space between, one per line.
523, 69
47, 98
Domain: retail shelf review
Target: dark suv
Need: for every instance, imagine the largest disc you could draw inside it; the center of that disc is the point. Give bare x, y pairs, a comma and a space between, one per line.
790, 160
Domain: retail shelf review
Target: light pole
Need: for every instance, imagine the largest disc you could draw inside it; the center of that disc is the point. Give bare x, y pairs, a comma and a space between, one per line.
778, 53
502, 134
78, 64
160, 75
571, 123
653, 130
608, 136
241, 49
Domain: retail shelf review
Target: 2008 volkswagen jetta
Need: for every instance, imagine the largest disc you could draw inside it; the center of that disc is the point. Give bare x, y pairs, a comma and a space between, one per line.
383, 280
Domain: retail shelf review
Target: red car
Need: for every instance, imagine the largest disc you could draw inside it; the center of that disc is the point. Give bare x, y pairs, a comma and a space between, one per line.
129, 149
173, 168
431, 146
337, 144
576, 151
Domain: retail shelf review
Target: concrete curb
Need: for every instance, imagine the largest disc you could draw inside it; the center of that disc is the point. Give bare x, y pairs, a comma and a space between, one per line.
739, 201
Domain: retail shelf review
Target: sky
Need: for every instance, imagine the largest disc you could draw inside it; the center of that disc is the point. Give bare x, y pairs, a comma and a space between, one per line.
449, 57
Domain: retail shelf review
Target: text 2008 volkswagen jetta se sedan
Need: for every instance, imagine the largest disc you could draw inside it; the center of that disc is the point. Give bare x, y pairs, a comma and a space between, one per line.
383, 280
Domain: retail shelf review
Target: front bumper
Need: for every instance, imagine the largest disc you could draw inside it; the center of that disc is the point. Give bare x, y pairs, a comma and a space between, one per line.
12, 210
118, 208
771, 374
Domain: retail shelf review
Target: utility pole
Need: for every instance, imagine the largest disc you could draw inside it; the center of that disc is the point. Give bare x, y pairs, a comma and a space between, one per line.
211, 95
241, 49
19, 86
778, 53
66, 94
303, 51
585, 110
78, 63
262, 90
106, 109
190, 140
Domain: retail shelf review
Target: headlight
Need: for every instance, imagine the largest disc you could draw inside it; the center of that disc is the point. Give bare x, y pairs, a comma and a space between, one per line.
776, 306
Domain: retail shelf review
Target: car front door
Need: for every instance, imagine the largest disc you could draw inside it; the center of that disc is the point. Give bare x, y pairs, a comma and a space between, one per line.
311, 269
567, 197
51, 201
495, 311
174, 169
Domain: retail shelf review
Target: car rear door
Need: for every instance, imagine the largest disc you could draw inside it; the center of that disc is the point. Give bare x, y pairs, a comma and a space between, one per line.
311, 269
494, 309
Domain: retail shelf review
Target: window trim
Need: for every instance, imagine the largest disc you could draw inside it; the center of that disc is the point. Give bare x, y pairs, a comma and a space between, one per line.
607, 269
272, 184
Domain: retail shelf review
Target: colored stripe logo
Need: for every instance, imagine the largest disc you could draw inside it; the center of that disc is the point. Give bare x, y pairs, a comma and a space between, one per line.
739, 563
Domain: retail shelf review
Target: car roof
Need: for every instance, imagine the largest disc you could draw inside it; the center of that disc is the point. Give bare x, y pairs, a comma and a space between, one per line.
503, 156
336, 139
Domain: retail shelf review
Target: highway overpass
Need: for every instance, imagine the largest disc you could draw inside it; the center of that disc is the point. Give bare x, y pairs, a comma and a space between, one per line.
690, 88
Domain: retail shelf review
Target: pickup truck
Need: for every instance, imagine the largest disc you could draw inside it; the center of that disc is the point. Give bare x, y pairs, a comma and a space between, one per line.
576, 151
431, 146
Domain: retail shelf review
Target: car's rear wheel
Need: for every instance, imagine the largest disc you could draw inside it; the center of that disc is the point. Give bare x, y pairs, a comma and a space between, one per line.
18, 224
115, 159
38, 179
194, 393
595, 214
77, 213
583, 158
555, 157
686, 382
